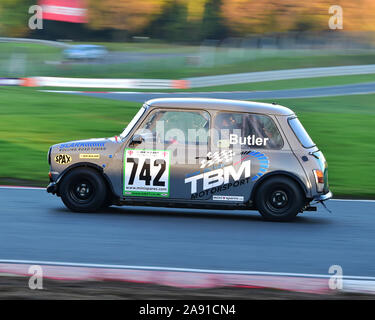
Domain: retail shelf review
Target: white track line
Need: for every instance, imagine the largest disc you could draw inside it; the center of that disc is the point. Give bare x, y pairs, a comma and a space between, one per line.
40, 188
21, 188
172, 269
60, 91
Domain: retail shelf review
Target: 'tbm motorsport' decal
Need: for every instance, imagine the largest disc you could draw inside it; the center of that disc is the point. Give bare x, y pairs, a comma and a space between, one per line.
146, 173
216, 177
219, 180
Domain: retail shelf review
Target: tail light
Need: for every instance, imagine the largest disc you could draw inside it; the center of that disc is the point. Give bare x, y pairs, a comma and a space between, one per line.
319, 179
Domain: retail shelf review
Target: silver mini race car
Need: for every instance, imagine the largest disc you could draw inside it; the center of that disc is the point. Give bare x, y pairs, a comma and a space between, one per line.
198, 153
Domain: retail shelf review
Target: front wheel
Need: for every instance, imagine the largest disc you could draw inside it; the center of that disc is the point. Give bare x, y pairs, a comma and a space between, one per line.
83, 190
279, 199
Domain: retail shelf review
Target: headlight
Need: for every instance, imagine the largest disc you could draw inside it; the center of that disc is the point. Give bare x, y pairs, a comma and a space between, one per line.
319, 179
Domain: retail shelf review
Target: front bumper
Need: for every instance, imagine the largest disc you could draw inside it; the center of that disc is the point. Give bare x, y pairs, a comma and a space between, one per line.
324, 197
52, 188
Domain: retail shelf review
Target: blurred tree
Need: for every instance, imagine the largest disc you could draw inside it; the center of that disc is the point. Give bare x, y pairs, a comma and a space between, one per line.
172, 23
131, 15
213, 26
188, 21
192, 20
195, 9
358, 15
14, 17
253, 16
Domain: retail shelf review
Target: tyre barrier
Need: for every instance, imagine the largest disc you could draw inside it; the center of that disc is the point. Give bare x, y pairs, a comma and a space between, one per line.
95, 83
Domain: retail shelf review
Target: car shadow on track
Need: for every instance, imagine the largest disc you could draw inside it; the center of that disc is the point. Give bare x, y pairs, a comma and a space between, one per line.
245, 215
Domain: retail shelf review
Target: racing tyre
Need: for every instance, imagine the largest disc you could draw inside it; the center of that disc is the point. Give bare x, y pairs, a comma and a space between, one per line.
279, 199
83, 190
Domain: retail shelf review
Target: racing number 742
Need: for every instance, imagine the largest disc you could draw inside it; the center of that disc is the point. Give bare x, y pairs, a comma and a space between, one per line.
145, 172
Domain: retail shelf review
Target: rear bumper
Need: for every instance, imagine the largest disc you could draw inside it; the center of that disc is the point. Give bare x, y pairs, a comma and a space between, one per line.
324, 197
52, 188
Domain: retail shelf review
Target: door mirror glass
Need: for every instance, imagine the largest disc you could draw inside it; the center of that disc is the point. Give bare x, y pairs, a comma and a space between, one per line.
137, 139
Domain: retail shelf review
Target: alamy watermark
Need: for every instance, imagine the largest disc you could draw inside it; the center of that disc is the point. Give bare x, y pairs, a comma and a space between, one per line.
335, 282
194, 145
36, 20
36, 279
336, 21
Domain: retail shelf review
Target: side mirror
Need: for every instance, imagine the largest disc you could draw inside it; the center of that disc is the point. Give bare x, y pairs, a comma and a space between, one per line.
137, 139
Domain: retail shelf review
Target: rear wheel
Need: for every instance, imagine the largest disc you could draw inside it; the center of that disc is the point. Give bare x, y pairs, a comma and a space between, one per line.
83, 190
279, 199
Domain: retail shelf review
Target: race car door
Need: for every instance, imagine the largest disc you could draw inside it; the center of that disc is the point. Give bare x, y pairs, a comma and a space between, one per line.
168, 146
246, 140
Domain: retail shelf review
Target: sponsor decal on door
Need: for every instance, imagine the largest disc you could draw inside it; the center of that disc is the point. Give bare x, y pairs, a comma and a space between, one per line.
228, 198
221, 173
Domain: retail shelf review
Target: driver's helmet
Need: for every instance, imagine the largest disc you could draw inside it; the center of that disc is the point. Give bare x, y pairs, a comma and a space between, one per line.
225, 121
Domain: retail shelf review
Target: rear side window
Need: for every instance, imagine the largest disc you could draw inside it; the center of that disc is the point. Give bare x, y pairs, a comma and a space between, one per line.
247, 129
259, 125
301, 133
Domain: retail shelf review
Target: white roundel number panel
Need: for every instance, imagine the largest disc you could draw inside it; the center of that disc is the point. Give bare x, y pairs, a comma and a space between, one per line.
146, 173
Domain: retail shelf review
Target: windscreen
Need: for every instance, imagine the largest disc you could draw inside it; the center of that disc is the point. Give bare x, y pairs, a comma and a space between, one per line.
132, 123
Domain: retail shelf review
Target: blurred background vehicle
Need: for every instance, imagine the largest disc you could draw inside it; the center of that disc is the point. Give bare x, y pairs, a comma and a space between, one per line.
85, 52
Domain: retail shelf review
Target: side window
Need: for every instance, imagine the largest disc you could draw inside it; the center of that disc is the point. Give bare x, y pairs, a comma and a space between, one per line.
180, 127
262, 132
247, 130
227, 125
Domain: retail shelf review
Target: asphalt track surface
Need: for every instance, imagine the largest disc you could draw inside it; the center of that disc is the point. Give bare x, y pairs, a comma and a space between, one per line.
36, 226
350, 89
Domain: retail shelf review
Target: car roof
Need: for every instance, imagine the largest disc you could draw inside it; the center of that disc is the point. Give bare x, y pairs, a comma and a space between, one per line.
221, 105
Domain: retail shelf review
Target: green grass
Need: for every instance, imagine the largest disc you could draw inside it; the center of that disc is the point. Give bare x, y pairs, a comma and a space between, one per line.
32, 48
292, 84
181, 65
176, 67
146, 47
31, 121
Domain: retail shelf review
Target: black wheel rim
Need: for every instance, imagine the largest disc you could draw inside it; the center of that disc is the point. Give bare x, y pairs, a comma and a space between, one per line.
82, 191
278, 201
